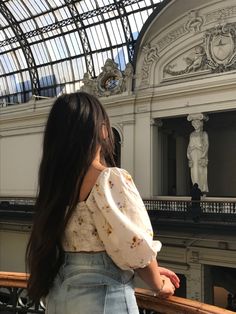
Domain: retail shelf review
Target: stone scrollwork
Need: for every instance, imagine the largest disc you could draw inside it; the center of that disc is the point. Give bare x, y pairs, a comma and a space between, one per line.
150, 56
128, 78
195, 22
220, 48
193, 61
223, 14
112, 81
89, 84
217, 53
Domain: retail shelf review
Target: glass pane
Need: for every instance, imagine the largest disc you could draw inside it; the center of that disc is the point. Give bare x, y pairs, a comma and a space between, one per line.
21, 59
17, 9
60, 44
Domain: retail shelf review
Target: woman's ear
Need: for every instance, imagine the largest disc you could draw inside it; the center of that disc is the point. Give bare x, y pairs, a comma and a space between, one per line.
104, 132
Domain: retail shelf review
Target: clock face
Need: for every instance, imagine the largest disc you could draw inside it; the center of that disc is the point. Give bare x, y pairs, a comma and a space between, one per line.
111, 82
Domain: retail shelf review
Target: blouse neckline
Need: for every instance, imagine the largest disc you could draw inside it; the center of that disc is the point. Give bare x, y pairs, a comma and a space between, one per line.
98, 178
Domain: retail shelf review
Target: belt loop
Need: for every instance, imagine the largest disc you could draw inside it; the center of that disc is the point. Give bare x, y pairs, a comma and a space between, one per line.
105, 259
61, 271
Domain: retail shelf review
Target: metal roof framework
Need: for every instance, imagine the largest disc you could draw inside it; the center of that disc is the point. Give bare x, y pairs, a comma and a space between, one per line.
46, 46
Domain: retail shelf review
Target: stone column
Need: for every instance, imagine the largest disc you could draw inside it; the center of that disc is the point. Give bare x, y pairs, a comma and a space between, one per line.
127, 145
199, 279
142, 156
162, 163
194, 282
155, 174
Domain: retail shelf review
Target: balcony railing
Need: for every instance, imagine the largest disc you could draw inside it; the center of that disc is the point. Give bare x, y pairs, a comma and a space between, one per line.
210, 210
171, 207
13, 299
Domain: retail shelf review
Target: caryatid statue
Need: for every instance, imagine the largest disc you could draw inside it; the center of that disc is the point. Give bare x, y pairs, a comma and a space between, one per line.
197, 151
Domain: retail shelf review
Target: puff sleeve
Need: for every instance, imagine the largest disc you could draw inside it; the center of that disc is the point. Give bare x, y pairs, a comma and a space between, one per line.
121, 220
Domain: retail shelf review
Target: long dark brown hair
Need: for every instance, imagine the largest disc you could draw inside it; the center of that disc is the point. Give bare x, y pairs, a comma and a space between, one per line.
72, 137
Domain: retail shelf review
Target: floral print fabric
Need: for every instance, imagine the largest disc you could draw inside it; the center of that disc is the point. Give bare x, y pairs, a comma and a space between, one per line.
114, 219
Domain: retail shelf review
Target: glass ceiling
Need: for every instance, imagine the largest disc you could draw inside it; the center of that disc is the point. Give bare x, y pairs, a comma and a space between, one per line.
46, 46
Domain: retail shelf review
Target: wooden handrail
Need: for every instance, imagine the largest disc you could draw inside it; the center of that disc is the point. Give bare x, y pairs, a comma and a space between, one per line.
145, 298
175, 305
16, 280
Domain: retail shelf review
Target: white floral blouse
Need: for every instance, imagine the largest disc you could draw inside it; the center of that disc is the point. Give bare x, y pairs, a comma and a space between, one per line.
113, 219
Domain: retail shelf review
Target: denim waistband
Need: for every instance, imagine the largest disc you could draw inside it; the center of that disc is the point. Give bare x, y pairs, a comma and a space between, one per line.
88, 259
100, 262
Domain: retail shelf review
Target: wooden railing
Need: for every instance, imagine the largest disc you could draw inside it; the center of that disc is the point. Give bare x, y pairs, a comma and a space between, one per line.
13, 299
175, 305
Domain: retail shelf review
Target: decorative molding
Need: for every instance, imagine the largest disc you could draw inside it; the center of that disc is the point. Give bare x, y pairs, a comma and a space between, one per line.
110, 81
89, 84
126, 122
217, 53
195, 22
220, 15
150, 56
128, 76
197, 116
201, 59
220, 43
194, 258
171, 37
142, 108
156, 122
193, 61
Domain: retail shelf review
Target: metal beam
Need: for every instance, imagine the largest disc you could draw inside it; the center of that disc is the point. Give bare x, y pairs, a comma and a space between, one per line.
32, 68
78, 21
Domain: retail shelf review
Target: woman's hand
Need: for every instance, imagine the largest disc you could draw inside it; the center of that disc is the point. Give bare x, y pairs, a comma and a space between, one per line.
171, 275
168, 288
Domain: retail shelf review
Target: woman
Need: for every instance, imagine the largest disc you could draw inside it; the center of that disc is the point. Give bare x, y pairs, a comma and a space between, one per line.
91, 229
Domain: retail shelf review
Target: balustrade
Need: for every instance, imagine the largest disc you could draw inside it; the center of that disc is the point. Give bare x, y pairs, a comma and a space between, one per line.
213, 210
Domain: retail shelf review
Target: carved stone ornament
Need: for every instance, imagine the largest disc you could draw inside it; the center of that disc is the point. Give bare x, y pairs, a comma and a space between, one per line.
89, 84
192, 61
195, 22
220, 48
150, 55
128, 78
197, 116
217, 53
110, 80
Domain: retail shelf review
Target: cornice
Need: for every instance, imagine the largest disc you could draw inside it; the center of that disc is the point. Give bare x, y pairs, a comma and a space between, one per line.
188, 88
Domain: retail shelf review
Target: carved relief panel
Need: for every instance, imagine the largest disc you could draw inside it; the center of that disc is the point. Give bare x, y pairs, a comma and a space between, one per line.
200, 41
216, 53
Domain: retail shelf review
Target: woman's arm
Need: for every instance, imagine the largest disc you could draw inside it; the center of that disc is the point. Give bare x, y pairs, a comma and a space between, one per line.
151, 276
171, 275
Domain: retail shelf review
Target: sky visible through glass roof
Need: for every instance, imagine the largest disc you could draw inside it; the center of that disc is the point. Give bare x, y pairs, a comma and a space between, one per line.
46, 46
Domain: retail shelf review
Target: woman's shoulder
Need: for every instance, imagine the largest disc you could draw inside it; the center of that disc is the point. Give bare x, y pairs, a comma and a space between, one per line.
115, 171
114, 174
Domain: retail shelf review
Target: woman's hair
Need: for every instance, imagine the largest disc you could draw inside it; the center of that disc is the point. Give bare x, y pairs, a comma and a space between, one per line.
72, 137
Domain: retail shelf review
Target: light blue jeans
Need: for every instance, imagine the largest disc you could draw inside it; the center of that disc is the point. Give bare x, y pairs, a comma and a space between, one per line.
90, 283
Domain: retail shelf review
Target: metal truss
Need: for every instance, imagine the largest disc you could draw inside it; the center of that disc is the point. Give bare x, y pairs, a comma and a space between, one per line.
24, 46
74, 22
120, 6
76, 17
